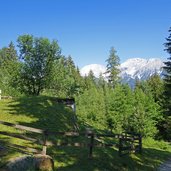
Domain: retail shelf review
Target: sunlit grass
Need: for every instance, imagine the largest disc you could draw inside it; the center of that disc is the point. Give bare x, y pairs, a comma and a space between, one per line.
45, 113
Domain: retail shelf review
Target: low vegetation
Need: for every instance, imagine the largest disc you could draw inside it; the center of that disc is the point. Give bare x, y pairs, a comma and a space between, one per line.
43, 112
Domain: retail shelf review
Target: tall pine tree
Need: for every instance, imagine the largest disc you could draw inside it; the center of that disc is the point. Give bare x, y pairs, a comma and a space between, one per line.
112, 68
9, 66
167, 88
167, 79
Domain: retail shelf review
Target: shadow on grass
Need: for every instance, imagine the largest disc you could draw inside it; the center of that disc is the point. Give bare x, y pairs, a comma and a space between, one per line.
106, 159
46, 113
37, 112
9, 151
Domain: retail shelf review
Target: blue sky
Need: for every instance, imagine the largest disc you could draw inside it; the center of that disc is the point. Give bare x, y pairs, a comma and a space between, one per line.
87, 29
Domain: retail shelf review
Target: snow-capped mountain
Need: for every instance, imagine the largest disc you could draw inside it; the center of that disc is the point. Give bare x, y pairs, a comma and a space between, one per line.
96, 68
131, 70
140, 69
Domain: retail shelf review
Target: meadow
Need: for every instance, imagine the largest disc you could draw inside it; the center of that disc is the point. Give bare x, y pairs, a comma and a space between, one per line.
45, 113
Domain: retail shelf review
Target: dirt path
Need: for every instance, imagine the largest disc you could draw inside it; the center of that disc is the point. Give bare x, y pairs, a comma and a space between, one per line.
166, 166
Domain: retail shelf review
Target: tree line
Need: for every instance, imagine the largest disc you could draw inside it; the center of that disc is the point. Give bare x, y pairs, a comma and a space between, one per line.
38, 67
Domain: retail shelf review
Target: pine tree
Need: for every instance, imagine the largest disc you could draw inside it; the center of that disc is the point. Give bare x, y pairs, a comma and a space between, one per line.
57, 85
72, 78
167, 79
119, 108
91, 107
101, 83
155, 84
90, 80
9, 66
146, 114
66, 80
112, 68
167, 89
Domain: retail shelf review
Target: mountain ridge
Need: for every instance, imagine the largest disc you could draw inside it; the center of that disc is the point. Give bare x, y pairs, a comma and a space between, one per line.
131, 70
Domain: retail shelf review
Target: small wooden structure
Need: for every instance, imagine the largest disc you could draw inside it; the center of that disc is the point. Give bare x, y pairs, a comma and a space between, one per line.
68, 102
4, 97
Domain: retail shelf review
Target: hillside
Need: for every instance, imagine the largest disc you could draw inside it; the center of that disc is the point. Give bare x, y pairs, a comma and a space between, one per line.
38, 112
46, 113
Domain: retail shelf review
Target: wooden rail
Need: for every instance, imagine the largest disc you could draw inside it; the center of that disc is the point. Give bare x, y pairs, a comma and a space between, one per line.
21, 127
134, 140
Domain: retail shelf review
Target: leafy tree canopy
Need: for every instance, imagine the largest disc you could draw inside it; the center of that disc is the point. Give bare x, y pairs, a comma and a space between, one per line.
38, 56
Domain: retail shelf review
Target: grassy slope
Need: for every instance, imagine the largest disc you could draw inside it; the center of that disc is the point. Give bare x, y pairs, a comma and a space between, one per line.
44, 112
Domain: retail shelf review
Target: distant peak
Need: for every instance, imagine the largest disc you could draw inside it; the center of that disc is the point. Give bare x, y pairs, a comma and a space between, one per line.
135, 60
96, 68
131, 69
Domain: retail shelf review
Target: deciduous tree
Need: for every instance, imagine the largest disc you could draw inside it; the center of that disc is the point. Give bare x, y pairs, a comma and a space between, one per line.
37, 56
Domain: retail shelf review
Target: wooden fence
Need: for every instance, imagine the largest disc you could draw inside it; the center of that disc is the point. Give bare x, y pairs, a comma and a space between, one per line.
128, 142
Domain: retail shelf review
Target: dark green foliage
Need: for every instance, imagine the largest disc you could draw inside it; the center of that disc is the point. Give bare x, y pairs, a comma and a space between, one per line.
167, 79
91, 107
167, 89
153, 88
155, 84
90, 80
8, 54
65, 79
8, 70
132, 111
118, 108
145, 114
101, 83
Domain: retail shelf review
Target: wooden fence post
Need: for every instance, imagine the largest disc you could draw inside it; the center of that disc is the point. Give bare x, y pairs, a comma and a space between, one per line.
120, 146
45, 135
133, 148
91, 145
140, 143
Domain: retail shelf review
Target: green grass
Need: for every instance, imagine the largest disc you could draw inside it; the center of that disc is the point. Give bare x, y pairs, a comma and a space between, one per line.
43, 112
